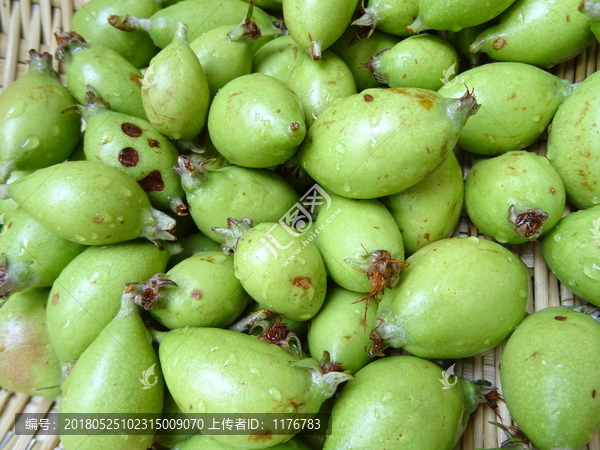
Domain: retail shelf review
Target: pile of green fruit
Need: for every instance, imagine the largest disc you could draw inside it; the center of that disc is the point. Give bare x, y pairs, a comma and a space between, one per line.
257, 217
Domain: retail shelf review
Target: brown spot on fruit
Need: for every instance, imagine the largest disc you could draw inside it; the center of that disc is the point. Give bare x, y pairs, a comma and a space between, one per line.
55, 299
136, 79
368, 98
278, 111
10, 224
191, 407
560, 318
153, 143
98, 220
197, 294
128, 157
302, 282
294, 126
266, 436
152, 182
594, 393
131, 129
499, 43
568, 18
552, 191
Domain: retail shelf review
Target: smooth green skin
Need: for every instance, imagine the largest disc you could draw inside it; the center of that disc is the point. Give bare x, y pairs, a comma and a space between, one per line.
109, 133
207, 293
320, 84
192, 244
439, 310
456, 14
203, 16
356, 52
528, 32
380, 142
352, 229
206, 442
519, 178
106, 379
34, 132
277, 58
418, 61
393, 16
573, 149
117, 81
295, 288
31, 255
340, 329
27, 361
429, 210
256, 121
98, 203
571, 252
462, 39
7, 205
550, 373
87, 293
91, 22
232, 191
398, 403
176, 98
512, 115
315, 25
212, 370
222, 60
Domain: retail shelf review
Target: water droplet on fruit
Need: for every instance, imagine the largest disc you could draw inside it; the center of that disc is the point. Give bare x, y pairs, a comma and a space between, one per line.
337, 166
341, 149
346, 187
103, 182
230, 361
522, 293
536, 118
58, 228
214, 349
275, 394
492, 139
79, 238
473, 240
15, 110
592, 270
55, 130
377, 414
387, 396
94, 236
572, 282
267, 123
126, 193
201, 407
557, 238
31, 143
596, 200
306, 316
301, 261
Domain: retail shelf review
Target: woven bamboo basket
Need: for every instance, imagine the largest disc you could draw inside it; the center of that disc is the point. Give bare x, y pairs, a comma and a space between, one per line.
30, 24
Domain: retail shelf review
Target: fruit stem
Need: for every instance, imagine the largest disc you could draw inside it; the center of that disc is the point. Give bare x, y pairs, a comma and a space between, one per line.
177, 206
42, 63
236, 228
247, 323
68, 42
460, 109
367, 22
373, 64
315, 50
129, 23
192, 171
247, 29
417, 26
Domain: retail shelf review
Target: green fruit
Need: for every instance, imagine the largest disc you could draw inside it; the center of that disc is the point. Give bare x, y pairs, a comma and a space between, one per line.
320, 84
30, 255
455, 14
211, 370
391, 16
35, 131
399, 403
192, 244
356, 52
356, 238
278, 267
205, 442
116, 80
429, 210
315, 25
135, 147
179, 113
216, 195
86, 295
417, 61
550, 373
200, 16
277, 58
341, 330
8, 205
380, 142
28, 364
92, 24
527, 32
91, 203
462, 39
573, 148
440, 310
515, 197
571, 252
513, 115
256, 121
106, 380
205, 293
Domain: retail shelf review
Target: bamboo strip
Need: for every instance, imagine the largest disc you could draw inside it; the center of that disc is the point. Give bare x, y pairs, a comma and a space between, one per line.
23, 441
12, 45
8, 417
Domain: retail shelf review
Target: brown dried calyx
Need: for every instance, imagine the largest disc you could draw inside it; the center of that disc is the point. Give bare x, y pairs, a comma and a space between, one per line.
66, 41
529, 223
147, 294
277, 333
382, 271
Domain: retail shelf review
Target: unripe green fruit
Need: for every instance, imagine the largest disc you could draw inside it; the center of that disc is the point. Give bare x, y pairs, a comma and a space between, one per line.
277, 58
391, 16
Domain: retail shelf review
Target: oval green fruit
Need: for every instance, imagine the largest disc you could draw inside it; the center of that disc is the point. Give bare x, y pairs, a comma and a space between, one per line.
440, 310
550, 373
380, 142
277, 58
391, 16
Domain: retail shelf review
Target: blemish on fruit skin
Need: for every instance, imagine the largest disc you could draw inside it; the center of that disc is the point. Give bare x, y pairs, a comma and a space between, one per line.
552, 191
152, 182
197, 294
55, 299
499, 43
368, 98
594, 393
128, 157
153, 143
560, 318
136, 79
98, 220
266, 436
302, 282
294, 126
10, 224
131, 129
